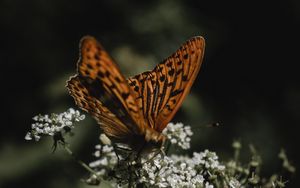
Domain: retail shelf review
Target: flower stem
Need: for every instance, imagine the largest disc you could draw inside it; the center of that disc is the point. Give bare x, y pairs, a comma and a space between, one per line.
83, 164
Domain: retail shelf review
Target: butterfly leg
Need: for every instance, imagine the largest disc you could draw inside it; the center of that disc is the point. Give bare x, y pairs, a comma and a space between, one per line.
154, 155
115, 149
162, 147
122, 151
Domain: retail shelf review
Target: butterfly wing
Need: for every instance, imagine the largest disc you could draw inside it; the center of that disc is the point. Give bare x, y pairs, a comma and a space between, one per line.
100, 89
109, 122
160, 92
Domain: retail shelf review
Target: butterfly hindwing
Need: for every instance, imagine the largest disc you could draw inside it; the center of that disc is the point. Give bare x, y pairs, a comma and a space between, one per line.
111, 125
160, 92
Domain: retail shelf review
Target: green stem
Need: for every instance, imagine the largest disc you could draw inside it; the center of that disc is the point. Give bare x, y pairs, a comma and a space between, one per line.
168, 147
83, 164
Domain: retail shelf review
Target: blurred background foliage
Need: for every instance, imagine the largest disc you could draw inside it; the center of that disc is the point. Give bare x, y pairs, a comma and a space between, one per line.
249, 79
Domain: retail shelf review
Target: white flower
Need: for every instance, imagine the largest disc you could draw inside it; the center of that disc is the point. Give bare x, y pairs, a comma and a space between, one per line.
35, 118
103, 162
233, 183
173, 141
71, 111
157, 170
51, 125
106, 160
69, 115
28, 136
68, 123
198, 179
97, 154
36, 137
208, 159
98, 147
207, 185
107, 149
179, 134
104, 139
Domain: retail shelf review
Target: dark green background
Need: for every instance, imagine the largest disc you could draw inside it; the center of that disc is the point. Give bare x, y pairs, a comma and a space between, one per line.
249, 79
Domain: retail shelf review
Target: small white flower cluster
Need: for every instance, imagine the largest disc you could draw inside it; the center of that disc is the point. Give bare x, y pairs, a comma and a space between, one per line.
121, 166
233, 183
52, 124
159, 170
207, 160
106, 157
181, 171
163, 171
179, 134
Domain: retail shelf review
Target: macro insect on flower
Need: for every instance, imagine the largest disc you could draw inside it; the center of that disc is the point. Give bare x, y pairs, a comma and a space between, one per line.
134, 114
136, 110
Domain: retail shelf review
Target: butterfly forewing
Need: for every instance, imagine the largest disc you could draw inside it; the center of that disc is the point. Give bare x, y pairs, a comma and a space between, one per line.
160, 92
105, 86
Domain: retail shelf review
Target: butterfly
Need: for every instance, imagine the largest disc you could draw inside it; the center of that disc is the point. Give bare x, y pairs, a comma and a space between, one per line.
136, 110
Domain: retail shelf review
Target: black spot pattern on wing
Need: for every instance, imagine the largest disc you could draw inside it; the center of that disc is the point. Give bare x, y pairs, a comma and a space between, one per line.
160, 92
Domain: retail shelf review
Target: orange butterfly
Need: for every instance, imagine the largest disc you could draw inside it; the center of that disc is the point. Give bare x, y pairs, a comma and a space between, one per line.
134, 111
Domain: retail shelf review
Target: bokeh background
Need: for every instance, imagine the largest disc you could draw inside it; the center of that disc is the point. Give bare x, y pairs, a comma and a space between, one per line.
249, 79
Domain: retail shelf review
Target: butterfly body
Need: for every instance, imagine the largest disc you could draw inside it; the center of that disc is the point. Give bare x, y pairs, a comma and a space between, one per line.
134, 111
